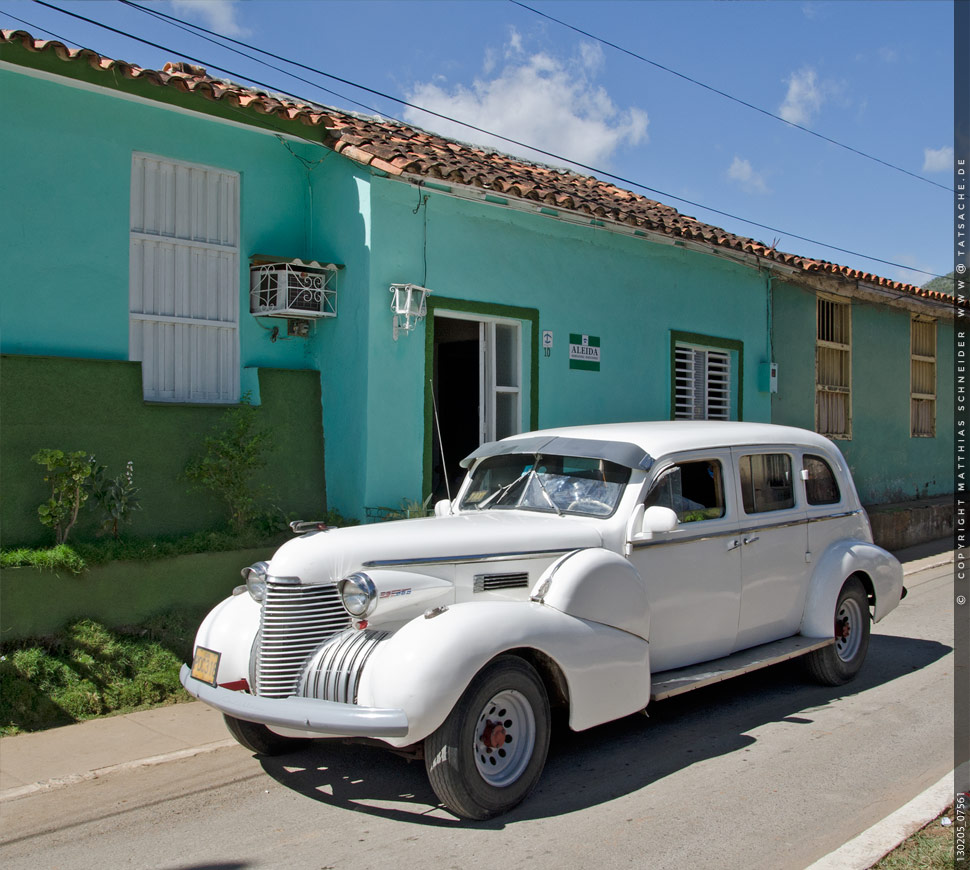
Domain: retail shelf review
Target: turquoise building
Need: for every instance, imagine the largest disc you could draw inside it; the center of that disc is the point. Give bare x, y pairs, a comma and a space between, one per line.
175, 243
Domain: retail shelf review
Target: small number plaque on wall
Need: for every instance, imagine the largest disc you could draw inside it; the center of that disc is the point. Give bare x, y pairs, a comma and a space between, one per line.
584, 352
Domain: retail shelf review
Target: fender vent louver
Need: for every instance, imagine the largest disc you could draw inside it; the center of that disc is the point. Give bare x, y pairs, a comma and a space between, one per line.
493, 582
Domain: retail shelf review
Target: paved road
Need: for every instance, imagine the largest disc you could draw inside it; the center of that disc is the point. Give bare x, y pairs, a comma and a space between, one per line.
766, 771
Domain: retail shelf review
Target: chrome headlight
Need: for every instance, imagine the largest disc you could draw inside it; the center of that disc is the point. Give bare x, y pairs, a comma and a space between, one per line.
358, 594
255, 577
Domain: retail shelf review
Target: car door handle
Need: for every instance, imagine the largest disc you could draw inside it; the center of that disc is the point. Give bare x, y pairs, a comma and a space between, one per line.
733, 544
752, 539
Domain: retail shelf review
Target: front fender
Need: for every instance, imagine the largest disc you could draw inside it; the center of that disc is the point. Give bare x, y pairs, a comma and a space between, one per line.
425, 667
841, 560
230, 629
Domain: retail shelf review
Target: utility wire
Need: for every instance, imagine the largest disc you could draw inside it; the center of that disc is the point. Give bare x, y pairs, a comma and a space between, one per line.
550, 154
728, 96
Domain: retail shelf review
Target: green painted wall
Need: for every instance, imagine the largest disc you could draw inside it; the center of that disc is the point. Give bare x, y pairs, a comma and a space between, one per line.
96, 406
118, 594
888, 464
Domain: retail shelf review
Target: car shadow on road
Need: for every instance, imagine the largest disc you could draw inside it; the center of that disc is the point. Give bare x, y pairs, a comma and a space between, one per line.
607, 762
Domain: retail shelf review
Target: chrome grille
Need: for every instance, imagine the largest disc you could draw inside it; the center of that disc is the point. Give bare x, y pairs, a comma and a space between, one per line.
295, 621
333, 674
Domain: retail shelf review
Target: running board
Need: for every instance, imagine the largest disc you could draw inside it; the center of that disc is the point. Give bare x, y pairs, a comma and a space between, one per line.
666, 684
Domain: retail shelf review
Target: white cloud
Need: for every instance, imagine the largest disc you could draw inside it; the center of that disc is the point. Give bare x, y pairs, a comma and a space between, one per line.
804, 98
938, 159
537, 99
217, 15
743, 173
888, 54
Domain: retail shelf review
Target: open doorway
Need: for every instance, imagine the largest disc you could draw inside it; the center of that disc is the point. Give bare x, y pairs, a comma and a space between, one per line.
477, 386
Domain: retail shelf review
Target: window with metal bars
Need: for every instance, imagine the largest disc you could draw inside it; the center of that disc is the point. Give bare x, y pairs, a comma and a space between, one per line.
702, 383
922, 369
833, 368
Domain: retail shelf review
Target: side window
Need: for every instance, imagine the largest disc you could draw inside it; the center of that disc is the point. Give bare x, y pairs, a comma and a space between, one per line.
766, 482
694, 490
821, 486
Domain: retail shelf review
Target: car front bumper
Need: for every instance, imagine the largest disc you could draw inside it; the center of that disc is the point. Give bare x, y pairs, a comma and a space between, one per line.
327, 718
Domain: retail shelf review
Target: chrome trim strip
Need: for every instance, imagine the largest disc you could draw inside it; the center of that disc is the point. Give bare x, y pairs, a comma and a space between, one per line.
841, 515
460, 560
763, 527
730, 533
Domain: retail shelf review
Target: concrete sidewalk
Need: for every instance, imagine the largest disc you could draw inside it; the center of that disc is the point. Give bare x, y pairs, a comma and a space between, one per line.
61, 756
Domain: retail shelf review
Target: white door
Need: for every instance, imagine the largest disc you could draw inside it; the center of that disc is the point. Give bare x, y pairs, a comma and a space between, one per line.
774, 543
693, 573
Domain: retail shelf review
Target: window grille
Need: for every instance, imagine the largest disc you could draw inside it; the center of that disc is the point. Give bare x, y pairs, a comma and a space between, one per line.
923, 377
833, 368
184, 280
703, 384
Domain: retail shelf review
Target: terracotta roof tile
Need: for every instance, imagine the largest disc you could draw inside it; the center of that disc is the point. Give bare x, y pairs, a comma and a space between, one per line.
396, 148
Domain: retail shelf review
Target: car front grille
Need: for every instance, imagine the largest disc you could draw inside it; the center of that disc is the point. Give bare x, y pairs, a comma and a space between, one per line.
295, 621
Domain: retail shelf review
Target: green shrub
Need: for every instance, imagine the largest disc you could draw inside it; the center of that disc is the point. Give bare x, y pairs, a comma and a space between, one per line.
234, 452
68, 475
59, 558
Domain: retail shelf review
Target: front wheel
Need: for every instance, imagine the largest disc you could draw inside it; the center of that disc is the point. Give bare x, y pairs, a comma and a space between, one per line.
838, 663
259, 739
488, 754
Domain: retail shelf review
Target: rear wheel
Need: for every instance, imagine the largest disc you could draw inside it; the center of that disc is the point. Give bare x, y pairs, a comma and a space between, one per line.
488, 754
259, 739
838, 663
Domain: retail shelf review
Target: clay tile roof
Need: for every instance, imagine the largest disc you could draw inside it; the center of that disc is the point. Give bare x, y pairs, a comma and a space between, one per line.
397, 148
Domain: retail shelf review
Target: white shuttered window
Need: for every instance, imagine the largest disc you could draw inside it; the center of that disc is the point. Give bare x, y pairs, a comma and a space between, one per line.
703, 384
184, 280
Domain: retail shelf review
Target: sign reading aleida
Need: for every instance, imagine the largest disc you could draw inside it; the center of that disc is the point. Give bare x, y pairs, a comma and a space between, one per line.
584, 352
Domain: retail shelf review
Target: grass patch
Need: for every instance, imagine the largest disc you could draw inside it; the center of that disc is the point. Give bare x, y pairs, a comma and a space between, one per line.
928, 849
59, 558
88, 671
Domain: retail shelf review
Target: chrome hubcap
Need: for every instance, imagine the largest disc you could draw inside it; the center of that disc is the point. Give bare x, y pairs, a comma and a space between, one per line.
505, 735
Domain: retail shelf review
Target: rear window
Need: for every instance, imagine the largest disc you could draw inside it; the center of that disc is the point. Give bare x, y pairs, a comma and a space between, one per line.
821, 487
766, 482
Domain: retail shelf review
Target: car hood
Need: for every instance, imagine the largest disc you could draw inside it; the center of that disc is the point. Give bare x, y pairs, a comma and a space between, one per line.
325, 557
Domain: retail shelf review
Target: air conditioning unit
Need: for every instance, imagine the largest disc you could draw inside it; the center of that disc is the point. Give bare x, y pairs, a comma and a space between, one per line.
292, 288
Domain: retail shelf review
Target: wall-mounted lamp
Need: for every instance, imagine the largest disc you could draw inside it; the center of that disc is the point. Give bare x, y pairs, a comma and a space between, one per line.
408, 305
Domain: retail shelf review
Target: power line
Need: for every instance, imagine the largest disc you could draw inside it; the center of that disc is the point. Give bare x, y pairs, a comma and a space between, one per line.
550, 154
728, 96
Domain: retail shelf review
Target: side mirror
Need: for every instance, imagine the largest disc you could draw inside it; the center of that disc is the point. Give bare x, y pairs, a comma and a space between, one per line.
442, 508
658, 519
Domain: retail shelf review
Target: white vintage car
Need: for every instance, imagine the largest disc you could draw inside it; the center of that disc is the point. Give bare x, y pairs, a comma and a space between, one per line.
593, 569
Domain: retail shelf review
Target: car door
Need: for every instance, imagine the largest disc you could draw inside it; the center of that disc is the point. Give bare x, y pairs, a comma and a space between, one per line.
692, 572
775, 567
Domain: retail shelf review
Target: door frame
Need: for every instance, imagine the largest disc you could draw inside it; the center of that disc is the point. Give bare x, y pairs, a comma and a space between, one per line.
529, 319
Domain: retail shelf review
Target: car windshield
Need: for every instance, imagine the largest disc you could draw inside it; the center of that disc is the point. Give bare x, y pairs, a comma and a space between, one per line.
555, 484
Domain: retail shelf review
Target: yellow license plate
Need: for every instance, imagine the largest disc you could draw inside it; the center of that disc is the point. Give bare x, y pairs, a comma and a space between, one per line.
205, 666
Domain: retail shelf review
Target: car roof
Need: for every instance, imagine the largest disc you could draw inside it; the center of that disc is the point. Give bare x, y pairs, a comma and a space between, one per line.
662, 437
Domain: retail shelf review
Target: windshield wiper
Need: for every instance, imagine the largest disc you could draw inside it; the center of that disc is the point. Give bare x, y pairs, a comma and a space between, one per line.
502, 490
545, 492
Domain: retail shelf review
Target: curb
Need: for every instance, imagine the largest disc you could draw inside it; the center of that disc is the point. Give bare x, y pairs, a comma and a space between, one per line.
11, 794
866, 849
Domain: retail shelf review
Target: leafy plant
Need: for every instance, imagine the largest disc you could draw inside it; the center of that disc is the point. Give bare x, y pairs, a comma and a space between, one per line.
67, 474
234, 452
115, 497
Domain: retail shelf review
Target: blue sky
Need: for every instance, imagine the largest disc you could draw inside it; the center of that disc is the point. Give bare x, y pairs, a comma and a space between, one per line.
874, 75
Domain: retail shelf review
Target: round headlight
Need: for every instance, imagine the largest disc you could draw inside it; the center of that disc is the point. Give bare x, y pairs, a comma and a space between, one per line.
358, 594
255, 577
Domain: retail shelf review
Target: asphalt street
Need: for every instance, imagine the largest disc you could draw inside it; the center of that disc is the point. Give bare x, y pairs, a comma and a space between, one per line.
765, 771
